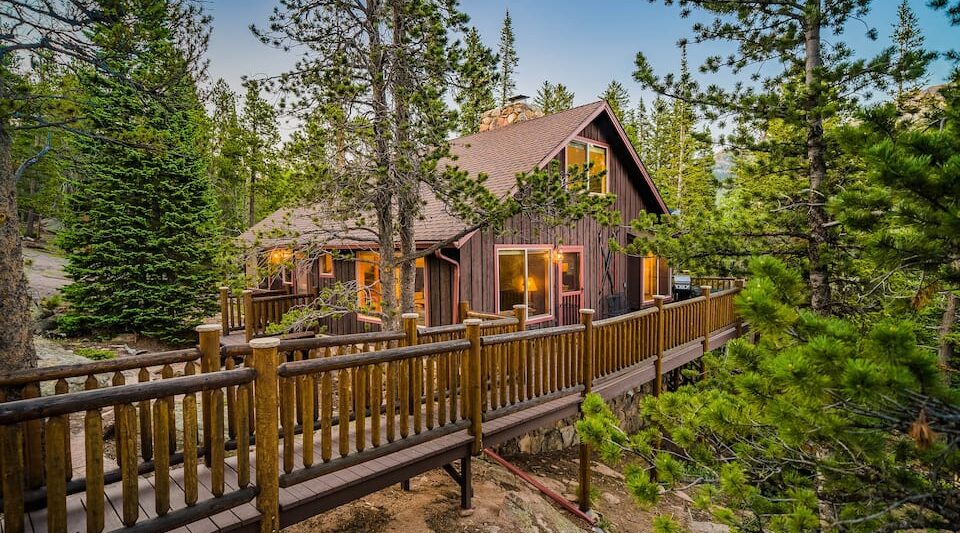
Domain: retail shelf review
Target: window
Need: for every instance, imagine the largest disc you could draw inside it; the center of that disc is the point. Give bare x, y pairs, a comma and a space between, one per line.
370, 295
524, 278
325, 264
579, 153
570, 279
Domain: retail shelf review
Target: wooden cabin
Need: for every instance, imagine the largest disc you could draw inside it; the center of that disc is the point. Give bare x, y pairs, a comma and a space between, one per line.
523, 265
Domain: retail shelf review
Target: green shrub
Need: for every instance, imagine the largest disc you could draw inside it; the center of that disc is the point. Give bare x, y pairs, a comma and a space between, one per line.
72, 325
96, 354
52, 302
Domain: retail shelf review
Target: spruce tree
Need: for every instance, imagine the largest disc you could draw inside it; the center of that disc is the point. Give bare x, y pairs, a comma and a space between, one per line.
226, 163
910, 59
617, 96
260, 135
142, 234
508, 60
553, 98
477, 77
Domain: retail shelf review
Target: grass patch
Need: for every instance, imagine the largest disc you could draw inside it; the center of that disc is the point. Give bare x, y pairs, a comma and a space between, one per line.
96, 354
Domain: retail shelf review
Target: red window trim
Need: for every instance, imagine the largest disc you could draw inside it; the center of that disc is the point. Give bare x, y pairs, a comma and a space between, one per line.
550, 289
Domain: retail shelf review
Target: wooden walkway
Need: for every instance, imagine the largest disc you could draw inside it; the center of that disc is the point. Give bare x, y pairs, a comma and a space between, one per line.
507, 383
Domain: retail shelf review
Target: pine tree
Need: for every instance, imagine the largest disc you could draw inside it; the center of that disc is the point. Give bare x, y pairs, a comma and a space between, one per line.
553, 98
910, 60
142, 234
259, 138
617, 96
508, 60
226, 163
477, 76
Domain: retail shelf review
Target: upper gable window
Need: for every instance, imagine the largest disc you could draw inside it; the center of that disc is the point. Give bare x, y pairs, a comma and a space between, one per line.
579, 153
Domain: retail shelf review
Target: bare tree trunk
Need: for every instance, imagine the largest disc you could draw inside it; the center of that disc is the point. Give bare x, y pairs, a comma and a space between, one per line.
253, 184
819, 276
16, 339
405, 172
945, 348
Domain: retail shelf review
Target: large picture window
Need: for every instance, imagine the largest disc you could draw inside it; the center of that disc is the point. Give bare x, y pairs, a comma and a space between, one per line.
580, 153
524, 277
370, 293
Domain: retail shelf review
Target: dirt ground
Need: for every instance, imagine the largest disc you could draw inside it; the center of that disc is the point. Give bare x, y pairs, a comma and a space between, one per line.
44, 272
503, 503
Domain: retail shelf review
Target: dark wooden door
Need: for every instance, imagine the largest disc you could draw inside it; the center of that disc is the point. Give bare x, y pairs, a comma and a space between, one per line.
634, 282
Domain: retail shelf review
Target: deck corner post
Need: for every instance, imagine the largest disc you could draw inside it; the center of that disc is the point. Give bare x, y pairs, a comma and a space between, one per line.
410, 327
464, 310
520, 313
586, 360
225, 310
658, 364
209, 362
267, 432
249, 320
739, 284
473, 388
707, 327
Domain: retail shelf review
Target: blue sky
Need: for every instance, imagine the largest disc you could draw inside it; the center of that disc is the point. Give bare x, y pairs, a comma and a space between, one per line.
581, 44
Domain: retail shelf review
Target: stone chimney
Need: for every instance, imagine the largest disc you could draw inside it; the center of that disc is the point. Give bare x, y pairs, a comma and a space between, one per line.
514, 111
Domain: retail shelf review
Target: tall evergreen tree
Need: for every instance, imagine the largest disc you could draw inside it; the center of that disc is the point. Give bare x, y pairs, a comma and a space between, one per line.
813, 83
552, 98
910, 59
508, 60
617, 96
226, 163
142, 234
260, 137
477, 77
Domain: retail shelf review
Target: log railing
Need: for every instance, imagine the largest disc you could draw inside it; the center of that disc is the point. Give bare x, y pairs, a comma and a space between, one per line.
307, 407
717, 283
253, 311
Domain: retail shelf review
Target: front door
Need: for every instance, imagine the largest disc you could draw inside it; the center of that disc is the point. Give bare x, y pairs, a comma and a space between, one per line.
634, 282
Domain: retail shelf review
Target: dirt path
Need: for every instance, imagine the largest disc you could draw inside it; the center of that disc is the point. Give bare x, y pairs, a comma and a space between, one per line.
44, 272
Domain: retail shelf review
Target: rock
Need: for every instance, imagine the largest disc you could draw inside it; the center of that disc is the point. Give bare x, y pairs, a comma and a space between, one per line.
708, 527
605, 470
466, 512
568, 435
570, 497
610, 498
684, 496
45, 324
531, 443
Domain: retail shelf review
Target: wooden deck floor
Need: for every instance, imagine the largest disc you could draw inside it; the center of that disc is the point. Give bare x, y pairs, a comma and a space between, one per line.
328, 491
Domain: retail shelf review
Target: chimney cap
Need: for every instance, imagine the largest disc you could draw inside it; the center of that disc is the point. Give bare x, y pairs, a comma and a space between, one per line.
517, 98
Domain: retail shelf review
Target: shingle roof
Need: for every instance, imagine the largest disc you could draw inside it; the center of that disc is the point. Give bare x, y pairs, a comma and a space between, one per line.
499, 153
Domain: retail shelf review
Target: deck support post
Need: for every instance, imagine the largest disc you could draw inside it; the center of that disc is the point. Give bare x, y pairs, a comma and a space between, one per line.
660, 324
412, 339
466, 483
473, 384
249, 320
707, 328
739, 283
209, 362
267, 432
225, 310
586, 361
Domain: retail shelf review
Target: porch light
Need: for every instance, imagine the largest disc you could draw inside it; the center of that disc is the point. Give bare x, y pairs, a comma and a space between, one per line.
278, 256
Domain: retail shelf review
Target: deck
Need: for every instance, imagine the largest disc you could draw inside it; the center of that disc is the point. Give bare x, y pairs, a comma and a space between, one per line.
486, 390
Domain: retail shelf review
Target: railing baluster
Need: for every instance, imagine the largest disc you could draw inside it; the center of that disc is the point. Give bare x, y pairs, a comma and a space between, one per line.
11, 449
243, 435
56, 475
391, 400
126, 420
306, 401
161, 478
216, 443
32, 441
190, 438
93, 468
146, 426
343, 410
326, 415
287, 408
268, 479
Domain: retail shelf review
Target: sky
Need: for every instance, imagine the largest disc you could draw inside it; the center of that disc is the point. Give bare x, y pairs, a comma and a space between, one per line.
583, 45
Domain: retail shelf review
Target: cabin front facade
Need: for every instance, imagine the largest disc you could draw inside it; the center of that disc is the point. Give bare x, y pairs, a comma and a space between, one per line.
524, 264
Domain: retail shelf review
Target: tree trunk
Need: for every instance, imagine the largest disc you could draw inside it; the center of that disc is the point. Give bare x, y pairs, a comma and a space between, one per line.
819, 276
253, 183
945, 348
16, 338
404, 168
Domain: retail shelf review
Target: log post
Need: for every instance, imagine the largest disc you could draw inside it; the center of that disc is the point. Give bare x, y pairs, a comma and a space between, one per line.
473, 384
267, 432
518, 355
209, 362
707, 327
225, 310
464, 310
739, 284
249, 320
658, 340
586, 360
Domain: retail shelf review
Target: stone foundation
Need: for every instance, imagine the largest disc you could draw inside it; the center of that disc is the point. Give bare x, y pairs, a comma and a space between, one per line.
563, 434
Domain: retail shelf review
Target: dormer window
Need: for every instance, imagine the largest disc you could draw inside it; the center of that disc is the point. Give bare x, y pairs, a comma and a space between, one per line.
578, 155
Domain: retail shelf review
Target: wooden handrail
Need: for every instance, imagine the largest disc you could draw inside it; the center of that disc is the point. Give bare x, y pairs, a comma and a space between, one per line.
62, 404
530, 334
50, 373
318, 342
327, 364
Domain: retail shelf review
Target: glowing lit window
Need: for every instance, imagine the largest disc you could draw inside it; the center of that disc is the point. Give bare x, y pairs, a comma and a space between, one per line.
369, 294
580, 153
570, 272
525, 278
325, 263
650, 277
